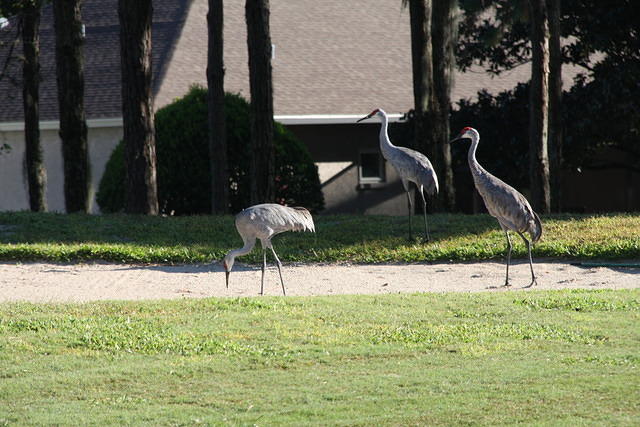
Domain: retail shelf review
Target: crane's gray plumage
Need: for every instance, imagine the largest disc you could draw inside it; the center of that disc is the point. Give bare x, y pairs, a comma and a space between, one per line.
411, 166
263, 222
505, 203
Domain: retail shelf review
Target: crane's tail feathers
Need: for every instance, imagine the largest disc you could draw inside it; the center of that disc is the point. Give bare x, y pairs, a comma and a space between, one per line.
537, 231
436, 188
429, 182
302, 219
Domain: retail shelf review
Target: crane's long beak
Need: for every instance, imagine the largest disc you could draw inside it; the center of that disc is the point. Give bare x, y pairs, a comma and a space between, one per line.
226, 273
458, 138
364, 118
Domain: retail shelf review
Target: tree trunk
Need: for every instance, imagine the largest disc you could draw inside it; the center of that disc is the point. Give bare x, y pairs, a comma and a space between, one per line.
73, 126
425, 109
444, 28
422, 66
137, 106
262, 162
555, 105
539, 108
216, 113
36, 173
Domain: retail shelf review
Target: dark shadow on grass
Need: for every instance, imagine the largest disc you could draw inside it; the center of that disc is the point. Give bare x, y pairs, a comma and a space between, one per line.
622, 267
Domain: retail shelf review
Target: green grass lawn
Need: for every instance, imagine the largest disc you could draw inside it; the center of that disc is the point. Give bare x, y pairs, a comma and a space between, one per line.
541, 357
363, 239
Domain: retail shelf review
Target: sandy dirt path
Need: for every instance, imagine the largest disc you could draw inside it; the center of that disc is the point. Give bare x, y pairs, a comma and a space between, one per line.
45, 282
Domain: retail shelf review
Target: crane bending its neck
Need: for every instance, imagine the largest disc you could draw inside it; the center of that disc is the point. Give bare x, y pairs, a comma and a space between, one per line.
231, 256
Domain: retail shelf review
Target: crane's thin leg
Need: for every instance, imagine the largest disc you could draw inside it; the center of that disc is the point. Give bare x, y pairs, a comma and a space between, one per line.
424, 212
506, 281
533, 276
279, 264
410, 215
264, 266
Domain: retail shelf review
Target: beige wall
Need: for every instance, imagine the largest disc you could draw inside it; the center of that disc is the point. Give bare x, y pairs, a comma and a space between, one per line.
13, 183
343, 194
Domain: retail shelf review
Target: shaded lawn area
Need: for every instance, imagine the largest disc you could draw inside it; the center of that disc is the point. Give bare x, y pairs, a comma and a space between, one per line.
542, 357
26, 236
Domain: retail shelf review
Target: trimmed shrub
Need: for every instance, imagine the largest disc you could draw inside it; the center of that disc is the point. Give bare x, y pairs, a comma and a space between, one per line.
183, 161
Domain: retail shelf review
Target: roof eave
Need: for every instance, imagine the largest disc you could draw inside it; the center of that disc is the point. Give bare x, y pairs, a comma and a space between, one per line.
326, 119
112, 122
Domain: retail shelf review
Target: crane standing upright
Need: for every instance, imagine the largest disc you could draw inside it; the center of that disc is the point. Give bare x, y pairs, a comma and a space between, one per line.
503, 202
263, 222
411, 165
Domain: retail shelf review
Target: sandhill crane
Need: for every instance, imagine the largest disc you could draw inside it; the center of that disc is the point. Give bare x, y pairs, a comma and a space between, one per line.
411, 165
503, 202
263, 222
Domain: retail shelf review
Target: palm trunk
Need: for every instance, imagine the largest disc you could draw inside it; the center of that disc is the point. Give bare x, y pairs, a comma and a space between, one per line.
36, 173
444, 31
73, 126
539, 108
137, 106
216, 113
555, 105
262, 162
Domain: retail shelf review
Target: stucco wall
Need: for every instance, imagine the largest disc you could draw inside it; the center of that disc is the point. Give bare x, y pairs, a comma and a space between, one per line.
14, 190
336, 149
343, 194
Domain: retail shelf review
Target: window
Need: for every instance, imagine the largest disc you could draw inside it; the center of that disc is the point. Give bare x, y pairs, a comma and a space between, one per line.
371, 168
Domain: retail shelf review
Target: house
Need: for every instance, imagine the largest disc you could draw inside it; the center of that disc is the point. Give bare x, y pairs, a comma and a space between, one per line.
333, 62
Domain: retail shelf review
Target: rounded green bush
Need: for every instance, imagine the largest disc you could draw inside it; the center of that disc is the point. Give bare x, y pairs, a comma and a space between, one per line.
183, 161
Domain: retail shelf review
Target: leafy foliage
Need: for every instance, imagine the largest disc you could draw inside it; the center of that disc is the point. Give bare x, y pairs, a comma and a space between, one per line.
587, 111
183, 161
494, 34
607, 27
604, 113
500, 120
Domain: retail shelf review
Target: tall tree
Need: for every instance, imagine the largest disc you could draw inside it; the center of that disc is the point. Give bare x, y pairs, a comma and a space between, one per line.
215, 101
36, 173
137, 106
262, 162
444, 29
539, 108
505, 42
555, 104
73, 127
425, 112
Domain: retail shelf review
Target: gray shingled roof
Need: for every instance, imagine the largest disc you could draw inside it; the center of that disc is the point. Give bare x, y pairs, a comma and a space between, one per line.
332, 57
102, 59
344, 57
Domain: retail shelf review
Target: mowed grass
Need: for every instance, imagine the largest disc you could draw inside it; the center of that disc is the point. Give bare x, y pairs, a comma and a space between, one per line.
541, 357
29, 236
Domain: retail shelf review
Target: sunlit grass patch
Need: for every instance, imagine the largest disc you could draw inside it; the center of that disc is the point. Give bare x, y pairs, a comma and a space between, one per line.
339, 238
497, 358
578, 301
439, 335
